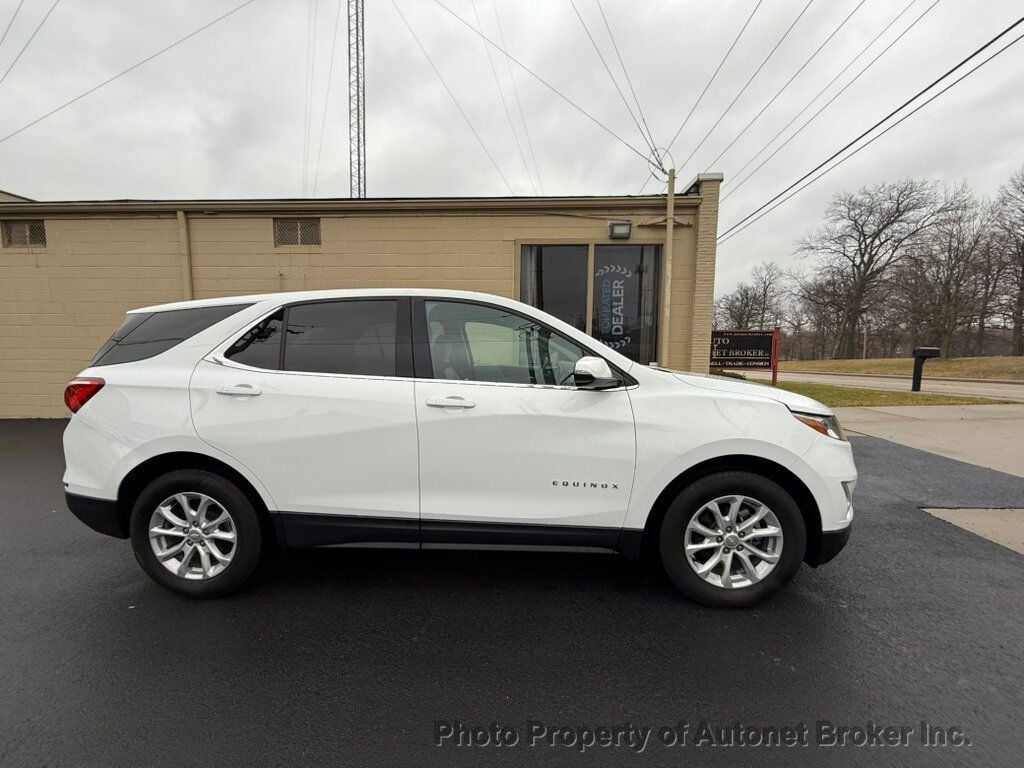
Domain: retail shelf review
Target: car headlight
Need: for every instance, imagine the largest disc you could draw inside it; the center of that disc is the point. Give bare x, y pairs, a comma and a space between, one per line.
826, 425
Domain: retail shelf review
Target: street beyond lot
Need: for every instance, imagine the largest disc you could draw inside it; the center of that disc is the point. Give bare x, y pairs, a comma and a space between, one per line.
357, 657
998, 390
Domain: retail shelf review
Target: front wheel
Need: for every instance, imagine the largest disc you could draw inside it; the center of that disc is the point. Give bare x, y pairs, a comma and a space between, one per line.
731, 539
196, 533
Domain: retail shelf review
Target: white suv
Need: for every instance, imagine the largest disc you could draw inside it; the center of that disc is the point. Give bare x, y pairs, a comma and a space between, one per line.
208, 431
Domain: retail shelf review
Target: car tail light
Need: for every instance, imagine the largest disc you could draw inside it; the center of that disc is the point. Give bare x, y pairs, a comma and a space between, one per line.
79, 391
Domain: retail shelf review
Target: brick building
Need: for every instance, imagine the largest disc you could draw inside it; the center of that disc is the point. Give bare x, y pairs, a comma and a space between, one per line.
616, 267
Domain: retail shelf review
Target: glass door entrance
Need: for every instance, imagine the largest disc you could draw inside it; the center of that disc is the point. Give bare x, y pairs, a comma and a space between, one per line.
609, 291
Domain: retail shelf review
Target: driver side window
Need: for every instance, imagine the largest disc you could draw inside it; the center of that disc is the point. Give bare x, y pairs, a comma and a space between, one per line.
472, 342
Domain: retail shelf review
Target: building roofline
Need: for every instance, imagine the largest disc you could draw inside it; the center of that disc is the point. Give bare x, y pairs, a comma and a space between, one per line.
18, 198
348, 205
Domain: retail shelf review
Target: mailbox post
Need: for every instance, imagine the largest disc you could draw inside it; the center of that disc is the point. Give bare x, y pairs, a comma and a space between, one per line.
920, 355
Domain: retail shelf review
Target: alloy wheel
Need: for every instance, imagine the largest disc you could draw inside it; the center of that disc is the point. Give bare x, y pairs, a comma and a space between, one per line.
733, 541
193, 536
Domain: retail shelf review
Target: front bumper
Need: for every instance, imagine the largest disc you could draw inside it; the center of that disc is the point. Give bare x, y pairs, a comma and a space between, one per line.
99, 514
830, 545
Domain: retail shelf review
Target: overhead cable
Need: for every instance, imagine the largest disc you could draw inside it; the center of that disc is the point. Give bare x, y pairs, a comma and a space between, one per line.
124, 72
455, 101
891, 114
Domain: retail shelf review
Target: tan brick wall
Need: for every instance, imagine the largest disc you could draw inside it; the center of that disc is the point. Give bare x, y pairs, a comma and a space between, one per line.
58, 304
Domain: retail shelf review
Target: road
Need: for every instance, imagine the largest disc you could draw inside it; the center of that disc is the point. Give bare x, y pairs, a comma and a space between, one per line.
965, 388
350, 657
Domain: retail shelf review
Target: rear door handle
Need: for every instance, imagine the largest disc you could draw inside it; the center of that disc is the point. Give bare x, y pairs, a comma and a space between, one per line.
240, 390
450, 402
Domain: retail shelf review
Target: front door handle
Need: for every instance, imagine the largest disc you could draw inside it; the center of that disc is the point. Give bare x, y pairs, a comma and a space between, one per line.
450, 402
240, 390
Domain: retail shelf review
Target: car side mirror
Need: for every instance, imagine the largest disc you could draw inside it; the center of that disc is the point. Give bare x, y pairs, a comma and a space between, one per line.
594, 373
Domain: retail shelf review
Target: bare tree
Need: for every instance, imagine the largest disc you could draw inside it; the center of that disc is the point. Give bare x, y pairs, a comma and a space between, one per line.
993, 265
938, 283
737, 309
865, 235
757, 304
767, 280
1010, 220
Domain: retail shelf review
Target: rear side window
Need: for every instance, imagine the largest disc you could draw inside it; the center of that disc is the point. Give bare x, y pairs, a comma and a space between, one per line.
353, 337
260, 346
144, 335
348, 337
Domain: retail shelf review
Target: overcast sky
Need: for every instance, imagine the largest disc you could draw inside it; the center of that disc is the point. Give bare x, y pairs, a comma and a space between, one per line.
225, 113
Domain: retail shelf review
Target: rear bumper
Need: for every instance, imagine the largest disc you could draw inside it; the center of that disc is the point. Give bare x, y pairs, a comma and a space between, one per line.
99, 514
830, 545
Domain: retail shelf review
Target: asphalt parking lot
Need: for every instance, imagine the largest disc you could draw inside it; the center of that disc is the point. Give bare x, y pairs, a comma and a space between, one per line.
351, 657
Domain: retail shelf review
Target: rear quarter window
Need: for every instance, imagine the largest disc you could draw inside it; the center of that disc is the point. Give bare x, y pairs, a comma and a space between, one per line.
146, 334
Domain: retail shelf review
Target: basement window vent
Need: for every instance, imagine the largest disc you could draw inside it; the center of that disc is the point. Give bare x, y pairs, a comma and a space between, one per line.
296, 231
30, 232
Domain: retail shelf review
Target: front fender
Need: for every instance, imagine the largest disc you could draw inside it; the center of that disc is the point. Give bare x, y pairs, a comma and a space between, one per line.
651, 486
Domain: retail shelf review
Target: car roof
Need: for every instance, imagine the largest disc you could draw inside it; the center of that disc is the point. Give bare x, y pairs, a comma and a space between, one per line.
336, 293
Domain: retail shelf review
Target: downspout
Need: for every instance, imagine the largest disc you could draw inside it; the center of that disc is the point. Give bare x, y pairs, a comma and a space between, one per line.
185, 247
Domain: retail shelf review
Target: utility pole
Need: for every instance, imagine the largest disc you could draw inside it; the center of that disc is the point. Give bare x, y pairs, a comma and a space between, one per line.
356, 101
666, 267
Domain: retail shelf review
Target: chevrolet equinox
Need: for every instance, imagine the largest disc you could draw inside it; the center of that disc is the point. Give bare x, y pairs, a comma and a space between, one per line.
208, 431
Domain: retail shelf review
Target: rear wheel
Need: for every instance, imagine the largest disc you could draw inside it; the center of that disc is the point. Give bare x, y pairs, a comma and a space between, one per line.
732, 539
196, 533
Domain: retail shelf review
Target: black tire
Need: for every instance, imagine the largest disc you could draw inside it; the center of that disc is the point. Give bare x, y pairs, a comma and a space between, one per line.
692, 499
248, 544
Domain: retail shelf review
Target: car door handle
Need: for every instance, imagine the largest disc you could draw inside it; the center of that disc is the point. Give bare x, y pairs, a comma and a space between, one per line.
240, 390
450, 402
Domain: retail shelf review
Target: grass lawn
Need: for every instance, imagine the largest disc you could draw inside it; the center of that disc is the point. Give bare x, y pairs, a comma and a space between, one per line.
838, 397
954, 367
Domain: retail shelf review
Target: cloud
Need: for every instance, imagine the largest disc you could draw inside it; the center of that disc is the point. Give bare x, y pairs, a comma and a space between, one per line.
224, 113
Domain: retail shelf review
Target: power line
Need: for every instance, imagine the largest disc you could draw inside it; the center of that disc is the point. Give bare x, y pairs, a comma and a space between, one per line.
836, 154
785, 85
749, 81
327, 99
870, 141
707, 85
519, 103
714, 75
544, 82
29, 41
629, 82
135, 66
504, 104
608, 69
812, 118
452, 95
11, 23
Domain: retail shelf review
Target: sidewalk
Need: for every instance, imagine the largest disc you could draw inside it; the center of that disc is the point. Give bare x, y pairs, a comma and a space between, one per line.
985, 435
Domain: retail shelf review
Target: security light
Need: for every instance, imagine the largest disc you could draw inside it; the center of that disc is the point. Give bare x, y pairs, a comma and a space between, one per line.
619, 230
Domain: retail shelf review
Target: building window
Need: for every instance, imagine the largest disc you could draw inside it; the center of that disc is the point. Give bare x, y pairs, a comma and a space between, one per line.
620, 286
30, 232
625, 285
554, 278
296, 231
